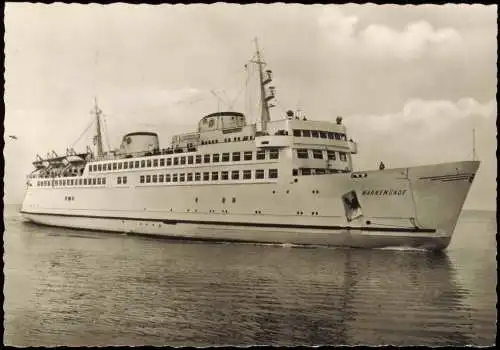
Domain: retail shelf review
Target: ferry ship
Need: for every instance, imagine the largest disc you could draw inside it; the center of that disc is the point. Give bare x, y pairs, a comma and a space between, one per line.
285, 181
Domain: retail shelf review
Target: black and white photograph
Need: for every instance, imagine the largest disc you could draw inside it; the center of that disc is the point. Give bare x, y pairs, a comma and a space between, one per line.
250, 175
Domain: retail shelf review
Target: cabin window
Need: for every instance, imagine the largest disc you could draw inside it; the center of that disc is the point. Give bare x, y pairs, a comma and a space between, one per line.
343, 156
162, 162
183, 160
302, 153
215, 157
306, 171
247, 155
80, 182
225, 157
131, 164
317, 154
323, 134
274, 153
182, 177
160, 178
119, 180
125, 165
98, 180
143, 163
148, 178
319, 171
297, 132
167, 178
99, 167
155, 162
176, 161
306, 133
235, 175
315, 133
136, 164
206, 158
259, 173
94, 181
273, 173
295, 172
198, 159
189, 176
331, 136
206, 176
90, 168
155, 178
261, 154
236, 156
120, 166
337, 136
330, 155
124, 180
169, 161
343, 137
224, 175
114, 166
95, 167
148, 163
215, 175
103, 180
197, 176
247, 174
190, 159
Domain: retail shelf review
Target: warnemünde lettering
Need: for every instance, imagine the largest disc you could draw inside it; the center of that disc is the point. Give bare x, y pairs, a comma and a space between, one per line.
384, 192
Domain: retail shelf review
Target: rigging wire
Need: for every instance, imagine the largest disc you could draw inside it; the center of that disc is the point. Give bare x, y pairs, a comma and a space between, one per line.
106, 131
84, 131
244, 87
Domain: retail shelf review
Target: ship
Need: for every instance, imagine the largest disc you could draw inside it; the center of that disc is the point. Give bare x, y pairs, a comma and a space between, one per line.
286, 180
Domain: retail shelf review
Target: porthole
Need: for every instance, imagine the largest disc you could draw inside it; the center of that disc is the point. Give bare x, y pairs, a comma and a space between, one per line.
234, 199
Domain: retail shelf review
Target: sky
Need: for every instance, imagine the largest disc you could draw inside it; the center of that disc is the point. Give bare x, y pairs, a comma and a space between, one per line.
411, 82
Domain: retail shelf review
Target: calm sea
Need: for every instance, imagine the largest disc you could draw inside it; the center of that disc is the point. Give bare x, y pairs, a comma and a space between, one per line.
65, 287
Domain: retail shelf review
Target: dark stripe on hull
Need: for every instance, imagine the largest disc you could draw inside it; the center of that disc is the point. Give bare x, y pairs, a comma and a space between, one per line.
246, 224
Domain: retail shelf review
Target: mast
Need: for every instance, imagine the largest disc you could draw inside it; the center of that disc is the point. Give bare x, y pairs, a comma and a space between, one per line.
98, 138
265, 116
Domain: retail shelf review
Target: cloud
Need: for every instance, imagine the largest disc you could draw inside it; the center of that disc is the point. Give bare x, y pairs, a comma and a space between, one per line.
381, 41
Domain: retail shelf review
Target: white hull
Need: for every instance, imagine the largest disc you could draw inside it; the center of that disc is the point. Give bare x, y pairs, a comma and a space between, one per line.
413, 207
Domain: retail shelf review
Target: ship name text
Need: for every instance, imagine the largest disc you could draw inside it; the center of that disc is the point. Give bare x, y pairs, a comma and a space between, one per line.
383, 192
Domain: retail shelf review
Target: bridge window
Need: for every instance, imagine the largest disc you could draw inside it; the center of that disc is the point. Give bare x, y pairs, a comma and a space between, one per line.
261, 154
160, 178
274, 153
215, 157
136, 165
99, 167
174, 177
120, 166
225, 175
273, 173
206, 158
197, 176
331, 136
198, 159
169, 161
182, 177
343, 137
183, 160
331, 155
215, 175
323, 134
143, 163
297, 132
125, 165
247, 155
319, 171
225, 157
155, 162
114, 166
236, 156
80, 182
148, 178
317, 154
206, 176
247, 174
162, 162
306, 133
337, 136
343, 156
259, 173
305, 171
315, 133
189, 176
190, 159
155, 178
235, 175
176, 161
302, 153
131, 165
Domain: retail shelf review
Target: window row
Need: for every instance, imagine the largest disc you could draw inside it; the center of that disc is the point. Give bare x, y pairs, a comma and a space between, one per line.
317, 171
304, 153
228, 139
319, 134
272, 153
73, 182
121, 180
209, 175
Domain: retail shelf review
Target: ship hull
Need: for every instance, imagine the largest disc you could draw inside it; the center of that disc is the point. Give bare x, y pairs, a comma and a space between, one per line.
414, 207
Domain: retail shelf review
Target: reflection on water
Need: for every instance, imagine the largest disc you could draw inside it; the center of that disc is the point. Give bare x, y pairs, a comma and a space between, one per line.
80, 288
